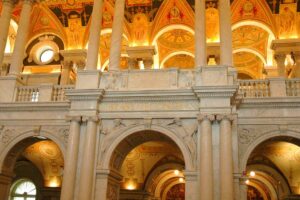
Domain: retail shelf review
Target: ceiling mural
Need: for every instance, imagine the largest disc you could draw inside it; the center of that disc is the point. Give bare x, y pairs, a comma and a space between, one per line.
48, 158
183, 61
144, 19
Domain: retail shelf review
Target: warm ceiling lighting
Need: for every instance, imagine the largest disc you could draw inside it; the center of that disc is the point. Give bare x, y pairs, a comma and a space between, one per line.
54, 182
252, 173
247, 181
181, 180
176, 172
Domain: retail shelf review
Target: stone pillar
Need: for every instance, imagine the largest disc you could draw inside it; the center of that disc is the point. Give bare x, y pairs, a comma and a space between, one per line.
65, 72
70, 169
87, 166
280, 59
5, 184
21, 39
200, 34
116, 37
191, 185
225, 33
7, 7
226, 157
206, 158
94, 37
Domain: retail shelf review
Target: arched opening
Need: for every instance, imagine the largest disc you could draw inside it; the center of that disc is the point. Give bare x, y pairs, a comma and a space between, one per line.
151, 165
273, 170
35, 163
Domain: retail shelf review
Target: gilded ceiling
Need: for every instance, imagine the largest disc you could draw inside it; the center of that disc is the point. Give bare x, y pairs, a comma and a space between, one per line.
255, 24
286, 157
48, 158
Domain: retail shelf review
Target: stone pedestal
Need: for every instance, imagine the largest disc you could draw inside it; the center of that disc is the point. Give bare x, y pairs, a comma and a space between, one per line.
142, 54
8, 85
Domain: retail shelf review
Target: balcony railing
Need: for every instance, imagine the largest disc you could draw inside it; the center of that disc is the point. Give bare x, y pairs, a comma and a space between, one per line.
54, 93
254, 88
58, 93
293, 87
27, 94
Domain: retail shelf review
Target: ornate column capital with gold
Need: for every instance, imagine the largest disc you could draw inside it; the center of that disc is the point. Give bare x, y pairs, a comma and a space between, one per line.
202, 117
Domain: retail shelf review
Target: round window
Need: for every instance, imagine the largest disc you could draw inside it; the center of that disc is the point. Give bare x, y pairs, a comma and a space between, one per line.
23, 190
46, 56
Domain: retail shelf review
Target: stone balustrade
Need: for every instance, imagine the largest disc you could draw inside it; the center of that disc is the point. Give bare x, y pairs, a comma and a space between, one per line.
42, 93
254, 88
293, 87
169, 79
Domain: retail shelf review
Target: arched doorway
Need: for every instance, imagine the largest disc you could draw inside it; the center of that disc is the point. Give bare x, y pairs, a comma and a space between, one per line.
34, 163
150, 165
273, 170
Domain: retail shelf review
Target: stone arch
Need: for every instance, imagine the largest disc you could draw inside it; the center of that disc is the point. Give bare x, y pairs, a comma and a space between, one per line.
123, 134
24, 137
264, 137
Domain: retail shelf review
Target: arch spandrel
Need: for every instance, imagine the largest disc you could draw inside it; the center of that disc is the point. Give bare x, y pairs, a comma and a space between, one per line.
115, 138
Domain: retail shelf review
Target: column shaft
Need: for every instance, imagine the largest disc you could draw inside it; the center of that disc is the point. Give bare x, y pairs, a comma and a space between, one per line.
7, 7
280, 59
94, 37
225, 33
70, 168
21, 39
206, 160
88, 161
116, 37
226, 159
200, 33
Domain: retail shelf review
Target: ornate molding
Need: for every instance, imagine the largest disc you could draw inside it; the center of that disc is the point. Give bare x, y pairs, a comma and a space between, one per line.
229, 117
202, 117
76, 118
93, 118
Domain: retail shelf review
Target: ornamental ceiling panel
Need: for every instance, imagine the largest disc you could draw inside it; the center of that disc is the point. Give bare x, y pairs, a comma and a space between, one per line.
286, 156
248, 63
251, 37
48, 158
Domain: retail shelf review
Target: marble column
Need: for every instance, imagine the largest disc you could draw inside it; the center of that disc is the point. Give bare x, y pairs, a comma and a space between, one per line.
226, 157
116, 37
280, 60
87, 166
206, 157
94, 37
225, 33
21, 39
70, 169
200, 34
7, 7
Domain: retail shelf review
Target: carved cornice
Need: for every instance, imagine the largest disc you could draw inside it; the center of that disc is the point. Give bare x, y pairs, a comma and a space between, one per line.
215, 91
148, 95
35, 106
270, 102
84, 94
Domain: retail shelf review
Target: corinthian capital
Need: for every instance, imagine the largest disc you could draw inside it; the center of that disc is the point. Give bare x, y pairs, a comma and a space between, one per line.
76, 118
202, 117
229, 117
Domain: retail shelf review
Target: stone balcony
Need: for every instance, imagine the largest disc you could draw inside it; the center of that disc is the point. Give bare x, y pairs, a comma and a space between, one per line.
152, 81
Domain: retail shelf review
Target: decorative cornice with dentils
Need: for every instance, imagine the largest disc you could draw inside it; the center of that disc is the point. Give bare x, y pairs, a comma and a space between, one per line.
215, 91
84, 94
